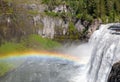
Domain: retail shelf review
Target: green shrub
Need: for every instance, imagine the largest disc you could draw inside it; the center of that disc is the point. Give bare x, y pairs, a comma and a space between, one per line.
5, 67
33, 12
27, 43
71, 27
37, 42
52, 14
8, 47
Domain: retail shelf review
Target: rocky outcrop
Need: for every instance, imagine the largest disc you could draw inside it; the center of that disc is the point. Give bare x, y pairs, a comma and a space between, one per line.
50, 24
60, 9
31, 18
79, 26
94, 26
115, 73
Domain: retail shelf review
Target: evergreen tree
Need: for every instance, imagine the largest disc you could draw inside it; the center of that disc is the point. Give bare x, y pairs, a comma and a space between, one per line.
91, 9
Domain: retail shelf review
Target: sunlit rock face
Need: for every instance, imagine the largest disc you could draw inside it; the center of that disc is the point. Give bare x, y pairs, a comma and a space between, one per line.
106, 51
54, 26
36, 16
114, 75
36, 69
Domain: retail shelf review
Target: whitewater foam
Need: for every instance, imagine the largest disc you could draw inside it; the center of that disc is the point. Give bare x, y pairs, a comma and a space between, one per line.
105, 52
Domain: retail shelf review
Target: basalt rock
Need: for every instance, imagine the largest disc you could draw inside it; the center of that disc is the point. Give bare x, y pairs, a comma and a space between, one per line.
115, 73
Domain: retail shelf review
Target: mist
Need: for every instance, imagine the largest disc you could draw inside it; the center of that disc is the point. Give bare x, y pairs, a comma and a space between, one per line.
82, 51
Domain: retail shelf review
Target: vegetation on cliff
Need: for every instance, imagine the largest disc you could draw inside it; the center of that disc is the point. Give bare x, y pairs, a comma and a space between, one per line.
32, 42
17, 16
21, 18
107, 10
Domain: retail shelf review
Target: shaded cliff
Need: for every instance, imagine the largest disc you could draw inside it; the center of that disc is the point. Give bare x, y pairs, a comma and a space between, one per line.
114, 75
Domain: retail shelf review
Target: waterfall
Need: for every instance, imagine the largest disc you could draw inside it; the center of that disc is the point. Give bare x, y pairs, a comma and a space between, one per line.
106, 51
105, 44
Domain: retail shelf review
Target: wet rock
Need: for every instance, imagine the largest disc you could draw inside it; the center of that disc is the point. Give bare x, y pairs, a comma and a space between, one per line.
115, 73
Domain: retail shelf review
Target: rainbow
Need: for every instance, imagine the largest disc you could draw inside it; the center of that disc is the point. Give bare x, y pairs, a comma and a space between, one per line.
40, 54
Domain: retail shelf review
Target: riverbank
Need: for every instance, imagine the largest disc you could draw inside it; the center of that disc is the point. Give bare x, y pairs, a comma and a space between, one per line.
31, 43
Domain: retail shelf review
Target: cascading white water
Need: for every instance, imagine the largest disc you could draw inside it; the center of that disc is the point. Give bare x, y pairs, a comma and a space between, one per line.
105, 52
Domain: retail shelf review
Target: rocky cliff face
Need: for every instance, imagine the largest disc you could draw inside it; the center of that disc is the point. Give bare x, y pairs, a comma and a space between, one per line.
25, 19
52, 26
115, 73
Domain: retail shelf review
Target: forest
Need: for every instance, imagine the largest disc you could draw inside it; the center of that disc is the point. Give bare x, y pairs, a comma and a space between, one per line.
107, 10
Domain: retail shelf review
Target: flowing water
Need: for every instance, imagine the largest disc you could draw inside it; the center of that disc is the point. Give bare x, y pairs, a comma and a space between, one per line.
105, 49
105, 44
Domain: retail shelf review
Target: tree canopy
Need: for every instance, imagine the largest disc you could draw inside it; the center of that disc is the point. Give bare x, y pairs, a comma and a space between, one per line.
107, 10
